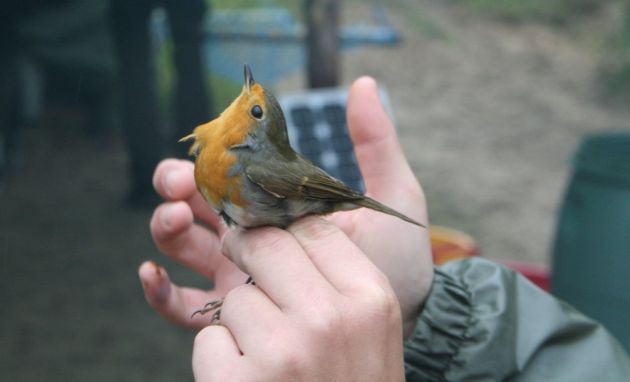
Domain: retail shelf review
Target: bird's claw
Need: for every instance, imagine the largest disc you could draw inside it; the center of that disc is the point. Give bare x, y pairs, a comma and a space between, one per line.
209, 307
216, 307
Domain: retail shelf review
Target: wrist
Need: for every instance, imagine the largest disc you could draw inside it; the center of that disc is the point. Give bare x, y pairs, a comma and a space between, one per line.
410, 322
412, 314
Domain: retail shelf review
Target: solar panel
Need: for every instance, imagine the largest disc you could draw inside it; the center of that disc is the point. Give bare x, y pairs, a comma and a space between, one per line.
316, 122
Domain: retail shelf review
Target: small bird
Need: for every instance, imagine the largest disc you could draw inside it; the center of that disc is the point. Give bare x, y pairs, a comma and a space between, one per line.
247, 171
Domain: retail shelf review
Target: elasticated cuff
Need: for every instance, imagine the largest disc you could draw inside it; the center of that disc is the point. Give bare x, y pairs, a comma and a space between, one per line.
430, 351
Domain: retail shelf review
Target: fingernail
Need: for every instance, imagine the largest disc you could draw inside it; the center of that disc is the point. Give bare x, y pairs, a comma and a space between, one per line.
156, 292
164, 288
170, 182
372, 82
156, 268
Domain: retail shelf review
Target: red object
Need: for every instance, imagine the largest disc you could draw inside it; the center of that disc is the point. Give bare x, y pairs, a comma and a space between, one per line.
538, 274
450, 244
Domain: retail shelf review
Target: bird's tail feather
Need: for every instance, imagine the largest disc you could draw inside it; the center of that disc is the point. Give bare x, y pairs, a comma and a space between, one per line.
374, 205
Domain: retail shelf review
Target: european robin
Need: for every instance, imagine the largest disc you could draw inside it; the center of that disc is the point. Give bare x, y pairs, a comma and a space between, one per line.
248, 172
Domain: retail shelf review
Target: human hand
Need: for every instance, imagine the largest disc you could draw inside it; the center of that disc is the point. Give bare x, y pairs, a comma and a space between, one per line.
187, 230
401, 250
320, 310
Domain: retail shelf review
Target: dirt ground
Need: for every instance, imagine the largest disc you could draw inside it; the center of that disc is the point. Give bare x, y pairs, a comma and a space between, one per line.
489, 114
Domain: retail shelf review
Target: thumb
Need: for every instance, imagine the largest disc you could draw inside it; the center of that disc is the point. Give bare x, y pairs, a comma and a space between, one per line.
382, 162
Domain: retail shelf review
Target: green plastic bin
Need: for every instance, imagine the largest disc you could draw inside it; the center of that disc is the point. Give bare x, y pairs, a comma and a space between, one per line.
591, 255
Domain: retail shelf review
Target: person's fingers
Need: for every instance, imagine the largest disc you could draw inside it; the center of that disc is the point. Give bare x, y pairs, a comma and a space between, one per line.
338, 259
251, 317
277, 263
215, 355
178, 237
174, 180
173, 302
376, 146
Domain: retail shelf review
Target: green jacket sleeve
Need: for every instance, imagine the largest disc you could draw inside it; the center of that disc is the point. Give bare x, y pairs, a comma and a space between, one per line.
483, 322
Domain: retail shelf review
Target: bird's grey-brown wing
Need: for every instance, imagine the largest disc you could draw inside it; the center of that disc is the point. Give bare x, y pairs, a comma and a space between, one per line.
300, 178
295, 179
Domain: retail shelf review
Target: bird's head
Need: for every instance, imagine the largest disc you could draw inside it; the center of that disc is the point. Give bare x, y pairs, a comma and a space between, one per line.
255, 110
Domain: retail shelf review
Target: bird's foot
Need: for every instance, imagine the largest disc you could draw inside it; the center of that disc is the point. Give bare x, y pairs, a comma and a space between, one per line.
209, 307
216, 307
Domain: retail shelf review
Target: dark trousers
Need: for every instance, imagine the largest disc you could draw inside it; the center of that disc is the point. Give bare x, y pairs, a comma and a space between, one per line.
129, 20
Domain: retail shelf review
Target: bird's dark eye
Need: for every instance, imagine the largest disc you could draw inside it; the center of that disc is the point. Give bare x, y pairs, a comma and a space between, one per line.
257, 112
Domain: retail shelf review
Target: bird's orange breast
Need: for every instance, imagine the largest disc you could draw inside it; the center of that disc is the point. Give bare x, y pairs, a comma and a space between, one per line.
214, 161
214, 139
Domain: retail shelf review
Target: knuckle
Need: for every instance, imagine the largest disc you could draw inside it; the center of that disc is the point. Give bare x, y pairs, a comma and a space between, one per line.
286, 356
290, 363
325, 322
382, 305
385, 299
378, 301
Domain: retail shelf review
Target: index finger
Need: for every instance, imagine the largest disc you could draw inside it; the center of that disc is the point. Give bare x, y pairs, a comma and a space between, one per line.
338, 259
278, 265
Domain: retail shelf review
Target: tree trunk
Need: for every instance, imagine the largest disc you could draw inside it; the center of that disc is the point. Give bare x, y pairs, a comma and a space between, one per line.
322, 19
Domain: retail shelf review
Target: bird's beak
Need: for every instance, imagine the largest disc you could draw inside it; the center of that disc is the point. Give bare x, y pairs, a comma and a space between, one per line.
249, 78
